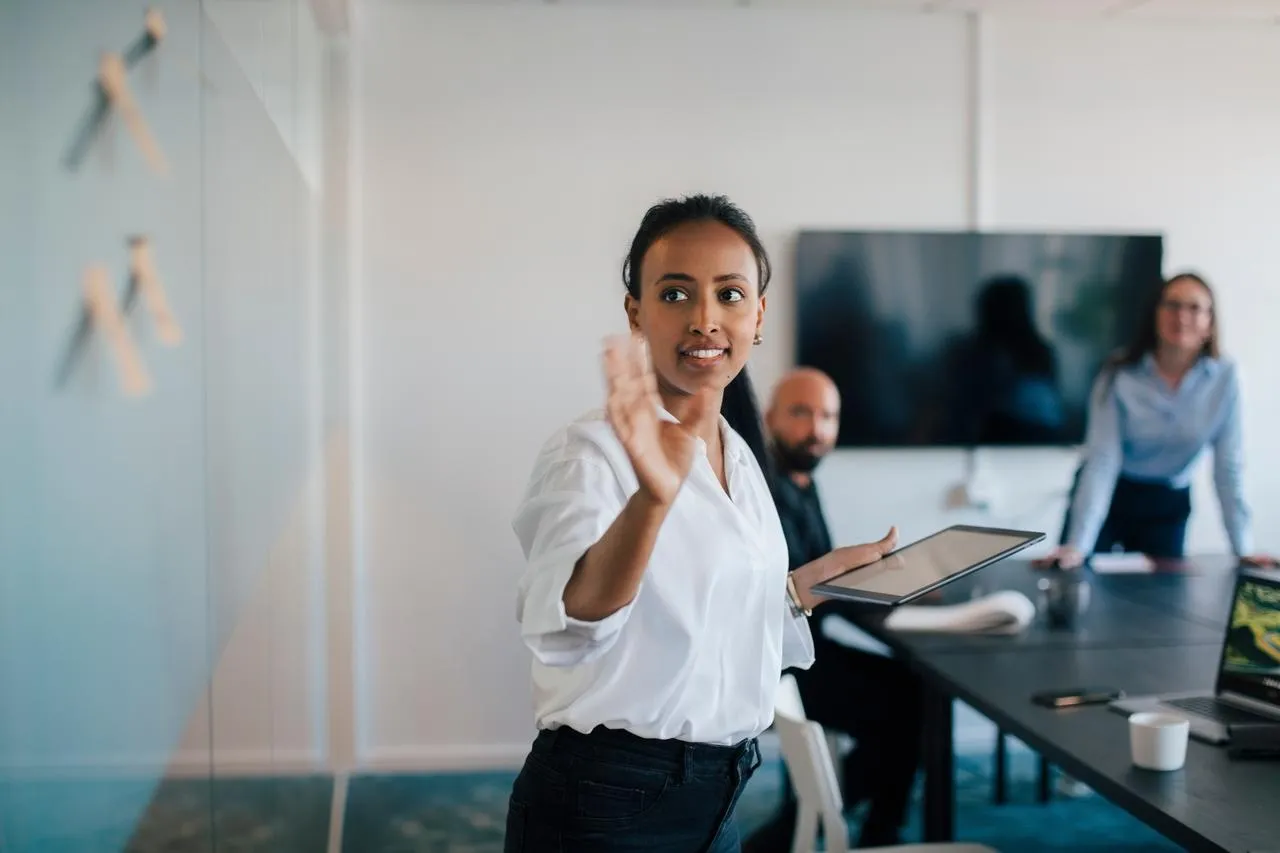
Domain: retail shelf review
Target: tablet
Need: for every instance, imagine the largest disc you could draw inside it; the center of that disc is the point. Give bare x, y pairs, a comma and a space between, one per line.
923, 566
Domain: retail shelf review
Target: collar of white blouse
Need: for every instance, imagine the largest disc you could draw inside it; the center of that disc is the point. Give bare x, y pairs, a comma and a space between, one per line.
703, 476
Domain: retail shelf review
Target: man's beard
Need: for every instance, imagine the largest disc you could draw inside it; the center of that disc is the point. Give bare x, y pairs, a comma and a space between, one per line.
798, 459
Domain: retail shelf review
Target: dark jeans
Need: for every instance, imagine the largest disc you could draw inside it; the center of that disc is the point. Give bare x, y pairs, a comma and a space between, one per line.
1145, 517
880, 702
613, 791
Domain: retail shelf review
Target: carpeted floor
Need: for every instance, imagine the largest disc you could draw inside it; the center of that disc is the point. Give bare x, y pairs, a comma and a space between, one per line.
465, 813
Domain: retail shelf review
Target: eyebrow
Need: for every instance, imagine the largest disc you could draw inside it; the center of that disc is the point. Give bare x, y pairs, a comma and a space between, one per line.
680, 276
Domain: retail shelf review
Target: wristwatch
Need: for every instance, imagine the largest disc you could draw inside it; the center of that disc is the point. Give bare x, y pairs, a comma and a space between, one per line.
793, 594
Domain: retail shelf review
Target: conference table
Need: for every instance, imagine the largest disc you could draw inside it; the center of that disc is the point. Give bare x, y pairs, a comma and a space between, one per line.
1151, 632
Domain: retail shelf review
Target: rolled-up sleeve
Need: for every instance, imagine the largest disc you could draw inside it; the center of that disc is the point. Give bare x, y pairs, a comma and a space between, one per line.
797, 640
570, 503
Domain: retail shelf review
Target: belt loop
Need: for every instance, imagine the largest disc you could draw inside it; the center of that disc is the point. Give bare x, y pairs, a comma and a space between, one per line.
686, 763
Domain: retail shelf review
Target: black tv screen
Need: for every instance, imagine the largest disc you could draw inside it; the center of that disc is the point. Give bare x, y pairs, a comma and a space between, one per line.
967, 339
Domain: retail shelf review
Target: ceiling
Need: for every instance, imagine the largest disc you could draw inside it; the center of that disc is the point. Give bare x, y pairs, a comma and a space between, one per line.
1242, 11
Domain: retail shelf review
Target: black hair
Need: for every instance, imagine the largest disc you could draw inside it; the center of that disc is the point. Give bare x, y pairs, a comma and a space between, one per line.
739, 406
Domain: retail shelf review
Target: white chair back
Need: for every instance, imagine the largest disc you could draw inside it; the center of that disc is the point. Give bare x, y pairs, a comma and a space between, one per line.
813, 775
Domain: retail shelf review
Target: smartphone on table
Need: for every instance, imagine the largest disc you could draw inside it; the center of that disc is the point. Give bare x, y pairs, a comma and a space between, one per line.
1077, 696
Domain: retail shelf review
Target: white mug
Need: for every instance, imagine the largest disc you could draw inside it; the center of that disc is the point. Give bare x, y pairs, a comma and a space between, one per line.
1158, 741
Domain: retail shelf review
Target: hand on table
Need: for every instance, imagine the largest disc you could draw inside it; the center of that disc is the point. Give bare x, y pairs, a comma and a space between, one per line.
1260, 560
1062, 557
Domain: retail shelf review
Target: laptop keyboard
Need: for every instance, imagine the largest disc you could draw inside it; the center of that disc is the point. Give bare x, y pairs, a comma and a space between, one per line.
1219, 712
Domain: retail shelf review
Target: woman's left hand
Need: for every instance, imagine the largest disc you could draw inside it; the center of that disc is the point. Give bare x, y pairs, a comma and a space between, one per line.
838, 562
1261, 560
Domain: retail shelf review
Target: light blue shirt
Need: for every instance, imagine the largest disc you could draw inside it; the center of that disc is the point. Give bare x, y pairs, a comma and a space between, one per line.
1141, 428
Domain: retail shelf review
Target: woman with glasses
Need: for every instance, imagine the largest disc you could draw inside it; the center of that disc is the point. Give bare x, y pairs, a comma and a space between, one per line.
1155, 407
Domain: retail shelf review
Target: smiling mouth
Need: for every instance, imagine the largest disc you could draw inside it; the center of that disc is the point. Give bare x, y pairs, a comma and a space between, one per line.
703, 354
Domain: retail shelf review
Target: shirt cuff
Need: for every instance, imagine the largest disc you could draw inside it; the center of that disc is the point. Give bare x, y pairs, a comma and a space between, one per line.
797, 640
543, 620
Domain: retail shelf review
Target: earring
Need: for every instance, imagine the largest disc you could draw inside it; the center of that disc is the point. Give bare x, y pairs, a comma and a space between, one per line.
759, 340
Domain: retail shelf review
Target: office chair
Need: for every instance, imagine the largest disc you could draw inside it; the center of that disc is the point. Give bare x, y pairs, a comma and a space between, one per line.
818, 802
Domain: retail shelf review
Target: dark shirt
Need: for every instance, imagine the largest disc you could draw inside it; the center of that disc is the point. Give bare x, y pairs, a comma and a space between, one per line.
805, 528
802, 521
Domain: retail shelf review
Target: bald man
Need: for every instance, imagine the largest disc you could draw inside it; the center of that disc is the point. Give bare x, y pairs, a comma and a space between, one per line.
876, 699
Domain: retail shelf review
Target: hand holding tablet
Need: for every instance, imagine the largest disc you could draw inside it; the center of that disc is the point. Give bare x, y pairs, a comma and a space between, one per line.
921, 567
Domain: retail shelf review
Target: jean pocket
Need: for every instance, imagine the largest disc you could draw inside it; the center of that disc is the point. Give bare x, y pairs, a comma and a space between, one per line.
613, 795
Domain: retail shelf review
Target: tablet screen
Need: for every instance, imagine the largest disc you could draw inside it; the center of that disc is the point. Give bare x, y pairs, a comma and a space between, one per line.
923, 564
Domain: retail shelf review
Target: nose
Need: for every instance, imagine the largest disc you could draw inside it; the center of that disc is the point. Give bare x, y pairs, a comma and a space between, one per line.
706, 318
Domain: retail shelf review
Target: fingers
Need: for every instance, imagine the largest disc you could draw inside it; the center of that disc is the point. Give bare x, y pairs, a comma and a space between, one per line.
628, 405
616, 362
640, 364
890, 541
1068, 558
644, 370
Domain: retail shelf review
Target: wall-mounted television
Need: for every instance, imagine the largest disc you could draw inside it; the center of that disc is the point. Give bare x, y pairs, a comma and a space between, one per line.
966, 339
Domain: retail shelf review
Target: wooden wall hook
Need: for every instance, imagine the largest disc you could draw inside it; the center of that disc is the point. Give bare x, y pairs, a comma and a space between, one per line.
143, 277
103, 315
115, 84
154, 30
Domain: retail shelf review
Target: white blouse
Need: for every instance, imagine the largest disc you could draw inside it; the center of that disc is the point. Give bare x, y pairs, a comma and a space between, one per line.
698, 653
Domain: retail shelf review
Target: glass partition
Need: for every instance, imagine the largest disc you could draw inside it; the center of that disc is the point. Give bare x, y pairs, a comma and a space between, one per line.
161, 677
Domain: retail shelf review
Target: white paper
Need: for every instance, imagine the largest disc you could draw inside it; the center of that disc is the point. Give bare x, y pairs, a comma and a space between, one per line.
1121, 563
1004, 612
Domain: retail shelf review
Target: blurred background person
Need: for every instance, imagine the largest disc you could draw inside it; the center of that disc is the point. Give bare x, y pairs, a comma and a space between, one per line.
875, 699
1155, 407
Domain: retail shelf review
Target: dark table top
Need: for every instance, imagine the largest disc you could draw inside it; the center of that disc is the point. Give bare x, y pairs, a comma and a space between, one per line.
1213, 803
1122, 611
1204, 598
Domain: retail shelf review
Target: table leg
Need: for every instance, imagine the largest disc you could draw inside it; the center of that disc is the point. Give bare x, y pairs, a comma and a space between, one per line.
939, 767
999, 772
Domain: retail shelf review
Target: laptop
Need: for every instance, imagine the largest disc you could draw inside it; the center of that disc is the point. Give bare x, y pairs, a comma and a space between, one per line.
1248, 684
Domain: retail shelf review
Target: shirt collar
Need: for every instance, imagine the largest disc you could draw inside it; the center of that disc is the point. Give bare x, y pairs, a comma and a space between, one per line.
734, 445
1205, 364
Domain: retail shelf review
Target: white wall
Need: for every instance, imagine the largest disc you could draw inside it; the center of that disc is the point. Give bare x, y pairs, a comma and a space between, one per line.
507, 154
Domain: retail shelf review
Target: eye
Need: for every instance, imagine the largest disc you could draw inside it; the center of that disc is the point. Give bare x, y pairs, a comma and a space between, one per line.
733, 294
673, 294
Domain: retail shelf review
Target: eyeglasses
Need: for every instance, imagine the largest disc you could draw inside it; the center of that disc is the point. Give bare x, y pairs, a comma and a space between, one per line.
1195, 309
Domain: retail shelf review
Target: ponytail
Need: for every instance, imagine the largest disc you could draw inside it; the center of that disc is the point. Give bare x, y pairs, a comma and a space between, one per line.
740, 409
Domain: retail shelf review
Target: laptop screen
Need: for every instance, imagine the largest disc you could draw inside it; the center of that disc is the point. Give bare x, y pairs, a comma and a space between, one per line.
1251, 653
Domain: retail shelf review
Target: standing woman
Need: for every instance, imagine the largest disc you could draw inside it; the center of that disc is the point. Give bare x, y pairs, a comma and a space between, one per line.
656, 598
1153, 411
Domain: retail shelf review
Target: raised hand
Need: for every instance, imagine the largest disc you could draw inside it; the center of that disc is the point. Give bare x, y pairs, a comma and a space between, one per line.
661, 452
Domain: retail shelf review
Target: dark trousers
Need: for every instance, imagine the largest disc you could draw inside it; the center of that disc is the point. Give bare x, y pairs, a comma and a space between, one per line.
613, 791
880, 702
1144, 517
